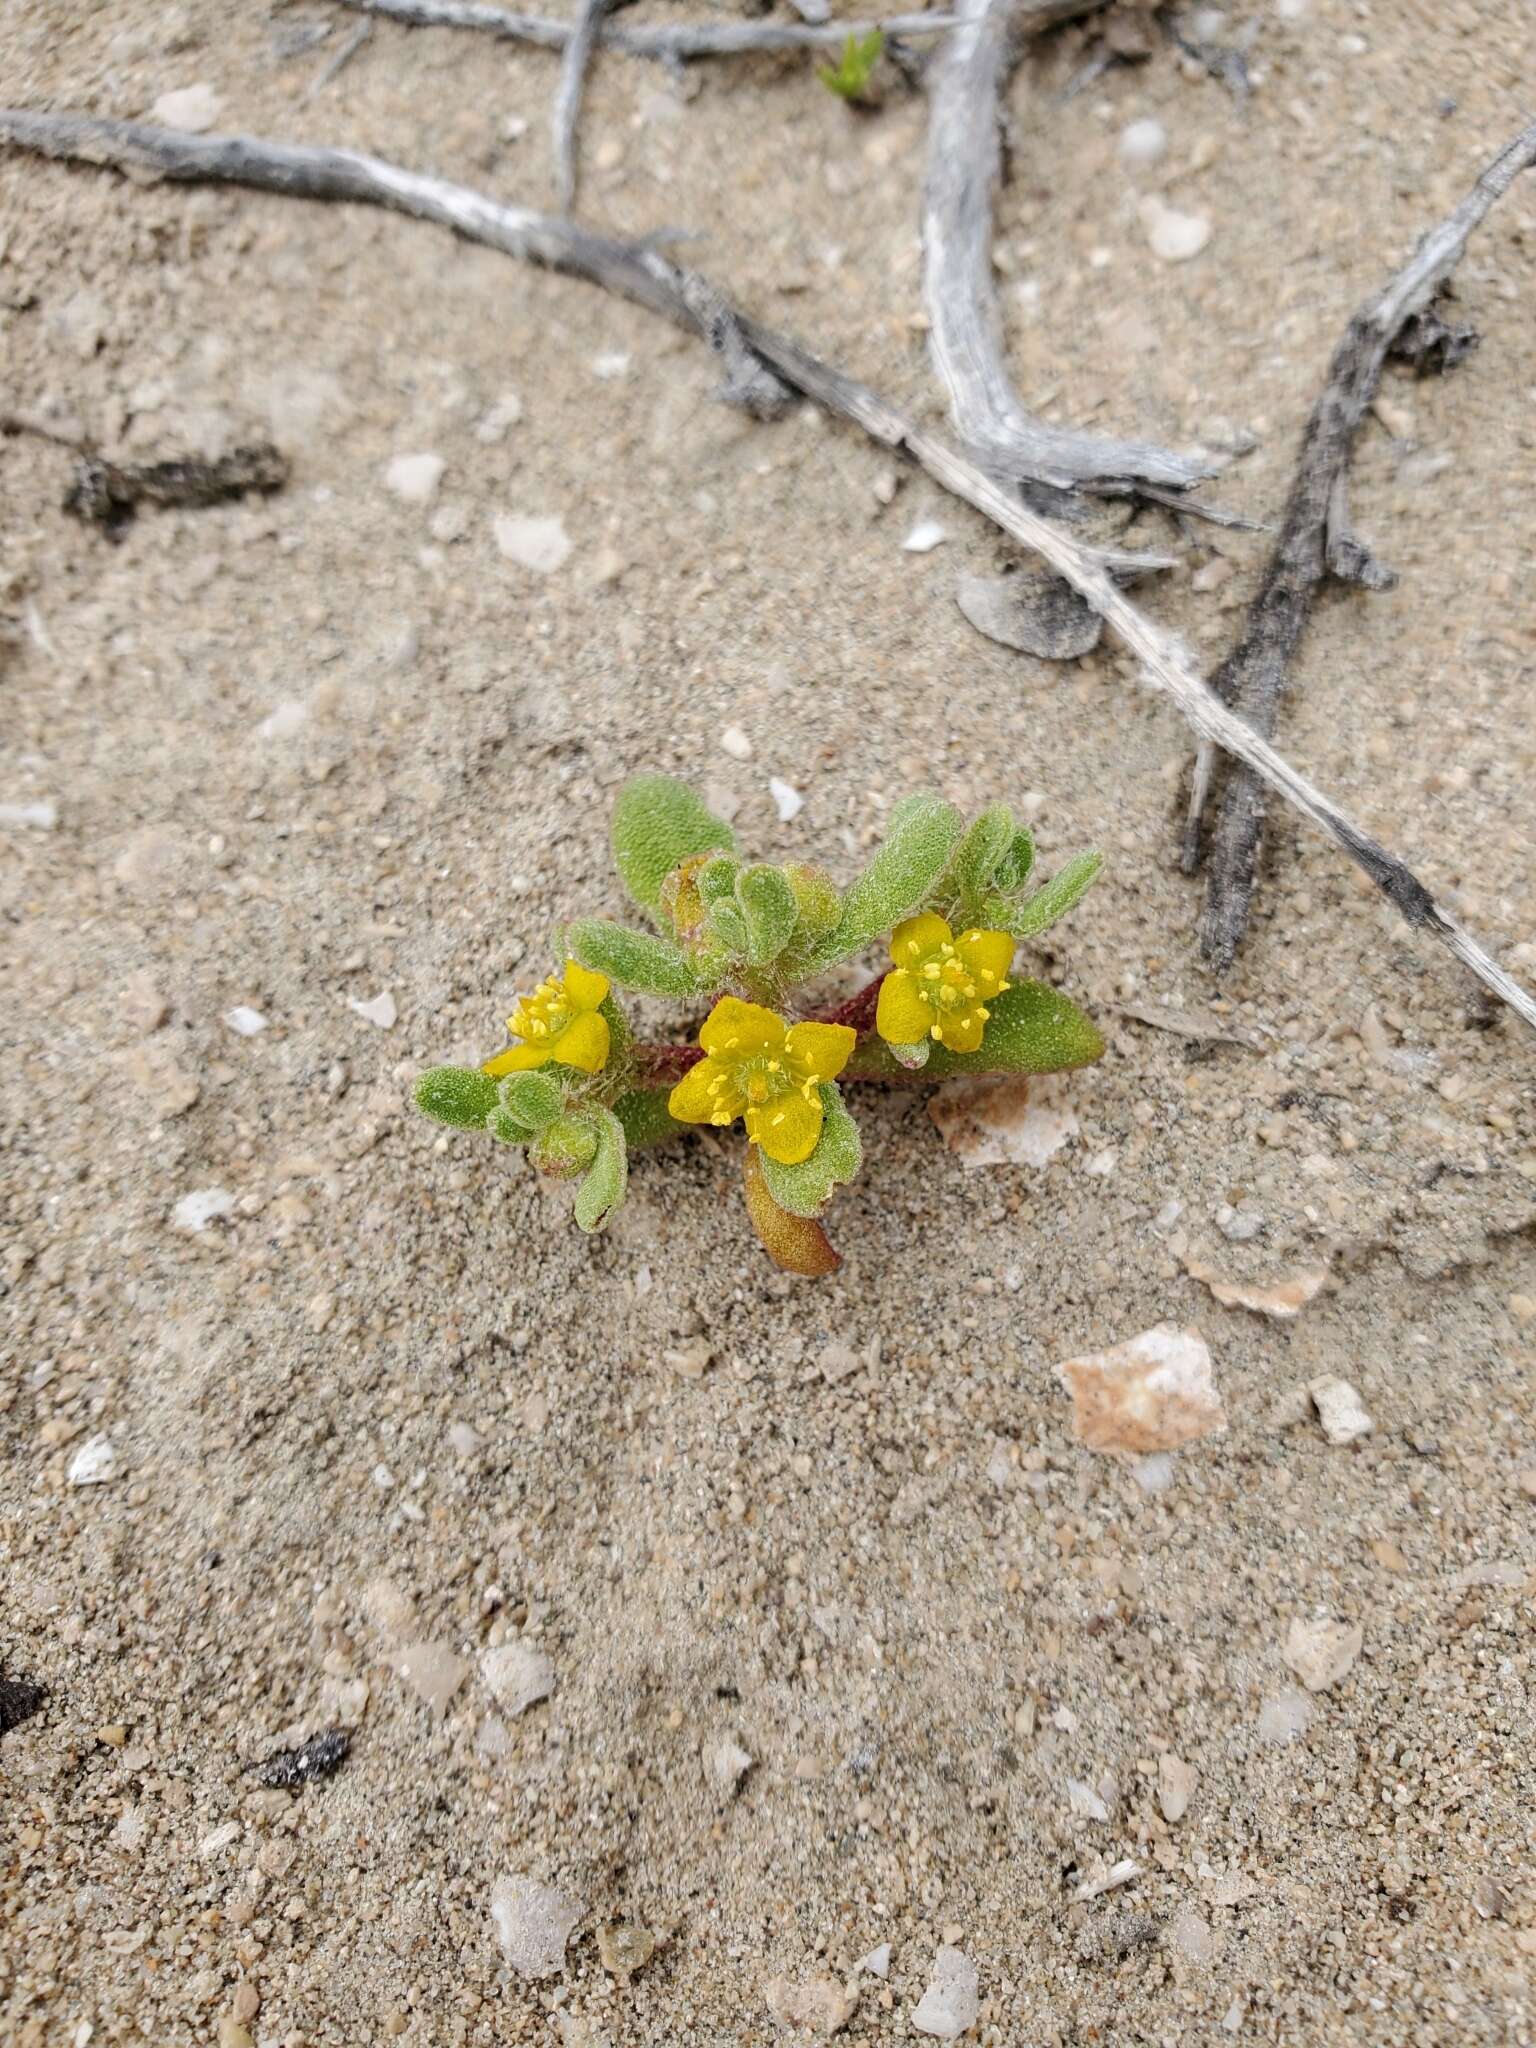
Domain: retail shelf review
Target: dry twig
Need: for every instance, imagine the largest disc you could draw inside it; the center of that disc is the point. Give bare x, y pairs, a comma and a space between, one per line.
964, 326
641, 273
1316, 540
565, 115
671, 43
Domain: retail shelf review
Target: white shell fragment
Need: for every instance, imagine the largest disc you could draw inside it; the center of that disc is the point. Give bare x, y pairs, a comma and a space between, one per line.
1283, 1300
94, 1463
378, 1010
193, 109
786, 798
1340, 1410
244, 1020
533, 1924
1173, 237
542, 545
1016, 1121
202, 1207
948, 2007
1142, 143
924, 538
1152, 1393
415, 478
1322, 1652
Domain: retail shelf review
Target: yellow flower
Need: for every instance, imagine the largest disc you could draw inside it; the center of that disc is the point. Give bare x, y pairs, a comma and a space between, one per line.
759, 1067
939, 985
560, 1021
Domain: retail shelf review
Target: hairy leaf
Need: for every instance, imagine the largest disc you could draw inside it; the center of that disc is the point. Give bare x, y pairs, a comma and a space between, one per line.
1033, 1029
767, 904
975, 860
565, 1146
728, 929
603, 1189
658, 823
716, 878
632, 959
919, 836
532, 1099
1013, 870
807, 1188
506, 1128
818, 901
461, 1096
646, 1118
796, 1244
1039, 912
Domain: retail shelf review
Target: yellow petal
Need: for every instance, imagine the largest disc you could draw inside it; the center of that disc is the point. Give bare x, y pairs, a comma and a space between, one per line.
901, 1016
819, 1052
584, 987
583, 1044
696, 1100
739, 1028
987, 953
787, 1128
916, 936
962, 1030
517, 1059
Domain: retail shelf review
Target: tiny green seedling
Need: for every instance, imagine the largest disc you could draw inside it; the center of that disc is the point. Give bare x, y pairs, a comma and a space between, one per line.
748, 941
849, 77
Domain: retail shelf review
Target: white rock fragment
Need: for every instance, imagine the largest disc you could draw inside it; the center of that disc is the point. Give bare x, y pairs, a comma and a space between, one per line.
1153, 1474
1340, 1410
542, 545
506, 412
192, 109
518, 1675
736, 743
614, 363
1192, 1937
283, 721
1084, 1802
1142, 143
877, 1963
463, 1439
1126, 1871
927, 535
817, 2005
202, 1207
1175, 1786
1283, 1299
1155, 1392
787, 800
94, 1463
1020, 1120
533, 1924
1322, 1652
432, 1671
378, 1010
415, 478
726, 1763
219, 1839
42, 817
948, 2007
1173, 237
244, 1020
1284, 1718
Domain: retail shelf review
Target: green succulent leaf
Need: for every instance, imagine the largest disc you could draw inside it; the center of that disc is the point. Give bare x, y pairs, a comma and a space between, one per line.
603, 1188
658, 823
565, 1146
533, 1100
919, 837
975, 860
460, 1096
1039, 912
646, 1118
727, 929
768, 907
1033, 1029
506, 1128
806, 1188
632, 959
849, 77
1013, 870
717, 878
818, 900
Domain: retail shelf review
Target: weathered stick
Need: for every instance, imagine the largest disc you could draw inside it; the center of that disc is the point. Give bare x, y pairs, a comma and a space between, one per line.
565, 115
965, 329
676, 43
644, 275
1316, 541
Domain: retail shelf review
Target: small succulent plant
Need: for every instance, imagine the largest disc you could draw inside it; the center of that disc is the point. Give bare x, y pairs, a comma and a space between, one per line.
849, 78
746, 943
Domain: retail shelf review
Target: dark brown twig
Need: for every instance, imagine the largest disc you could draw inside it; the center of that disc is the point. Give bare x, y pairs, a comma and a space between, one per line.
642, 274
1316, 541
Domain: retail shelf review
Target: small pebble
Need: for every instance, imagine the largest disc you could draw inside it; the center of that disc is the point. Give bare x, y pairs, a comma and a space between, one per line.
246, 1021
787, 799
1340, 1410
925, 537
1084, 1802
736, 743
1321, 1653
432, 1671
283, 722
42, 817
203, 1206
625, 1948
20, 1699
506, 412
415, 478
612, 365
1173, 237
726, 1763
94, 1463
192, 109
949, 2006
518, 1676
1142, 143
877, 1963
541, 545
378, 1010
1175, 1786
1284, 1718
533, 1924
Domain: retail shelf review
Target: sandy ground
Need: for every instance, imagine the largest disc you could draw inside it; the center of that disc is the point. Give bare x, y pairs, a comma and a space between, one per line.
310, 749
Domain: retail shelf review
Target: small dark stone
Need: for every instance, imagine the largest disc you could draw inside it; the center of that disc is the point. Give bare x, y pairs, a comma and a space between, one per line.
321, 1755
20, 1699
